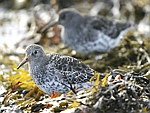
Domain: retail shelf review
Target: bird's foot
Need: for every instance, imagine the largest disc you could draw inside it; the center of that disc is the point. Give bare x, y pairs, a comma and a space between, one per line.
55, 94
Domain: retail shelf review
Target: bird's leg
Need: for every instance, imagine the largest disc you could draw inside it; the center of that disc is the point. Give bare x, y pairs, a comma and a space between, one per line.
54, 94
69, 84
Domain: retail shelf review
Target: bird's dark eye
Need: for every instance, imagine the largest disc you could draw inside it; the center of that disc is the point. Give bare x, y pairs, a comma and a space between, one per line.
35, 52
63, 16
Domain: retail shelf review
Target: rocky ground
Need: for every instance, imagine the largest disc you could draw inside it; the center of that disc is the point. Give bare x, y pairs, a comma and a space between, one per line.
126, 87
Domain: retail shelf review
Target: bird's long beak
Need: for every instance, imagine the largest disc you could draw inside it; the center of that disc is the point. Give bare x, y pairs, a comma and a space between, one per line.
48, 26
26, 59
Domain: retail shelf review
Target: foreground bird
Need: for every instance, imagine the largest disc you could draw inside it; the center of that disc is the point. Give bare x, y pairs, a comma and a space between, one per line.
89, 34
55, 72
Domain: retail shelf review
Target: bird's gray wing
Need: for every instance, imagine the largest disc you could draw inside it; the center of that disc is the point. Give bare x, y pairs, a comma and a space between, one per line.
72, 69
108, 27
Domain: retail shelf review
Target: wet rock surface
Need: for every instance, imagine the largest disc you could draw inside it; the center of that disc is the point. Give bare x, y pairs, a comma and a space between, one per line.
126, 89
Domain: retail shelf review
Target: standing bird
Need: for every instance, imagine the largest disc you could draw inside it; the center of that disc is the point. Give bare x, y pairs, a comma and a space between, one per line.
55, 72
88, 34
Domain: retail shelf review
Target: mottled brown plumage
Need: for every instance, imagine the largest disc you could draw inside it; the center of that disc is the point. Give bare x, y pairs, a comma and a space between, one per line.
56, 72
87, 34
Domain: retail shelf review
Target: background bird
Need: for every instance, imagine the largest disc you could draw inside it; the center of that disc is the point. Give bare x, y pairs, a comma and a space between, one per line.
88, 34
55, 72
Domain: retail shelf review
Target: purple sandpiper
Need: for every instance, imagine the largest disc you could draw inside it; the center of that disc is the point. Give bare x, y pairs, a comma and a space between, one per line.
88, 34
55, 72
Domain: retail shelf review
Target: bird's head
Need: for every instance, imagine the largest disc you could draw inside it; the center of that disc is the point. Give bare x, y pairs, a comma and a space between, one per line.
33, 54
69, 17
